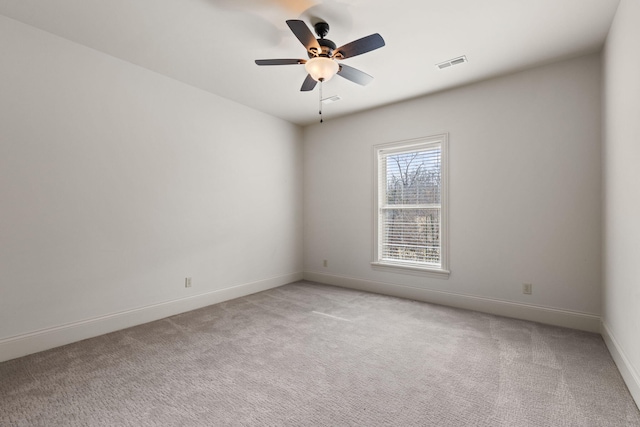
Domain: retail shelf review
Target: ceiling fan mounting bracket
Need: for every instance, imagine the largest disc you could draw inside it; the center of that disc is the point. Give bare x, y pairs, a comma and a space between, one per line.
322, 29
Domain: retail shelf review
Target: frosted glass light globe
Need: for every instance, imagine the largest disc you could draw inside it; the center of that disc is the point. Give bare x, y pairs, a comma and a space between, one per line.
321, 68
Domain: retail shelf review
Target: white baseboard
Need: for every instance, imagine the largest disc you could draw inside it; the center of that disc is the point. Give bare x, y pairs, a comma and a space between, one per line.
44, 339
552, 316
628, 372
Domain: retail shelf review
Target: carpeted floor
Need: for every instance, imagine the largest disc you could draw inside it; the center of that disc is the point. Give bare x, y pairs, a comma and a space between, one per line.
307, 354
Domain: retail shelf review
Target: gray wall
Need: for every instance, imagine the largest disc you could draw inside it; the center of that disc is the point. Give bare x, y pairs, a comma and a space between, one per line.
525, 194
621, 287
116, 183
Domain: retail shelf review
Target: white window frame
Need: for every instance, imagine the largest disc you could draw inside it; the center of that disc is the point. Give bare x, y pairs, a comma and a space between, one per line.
410, 267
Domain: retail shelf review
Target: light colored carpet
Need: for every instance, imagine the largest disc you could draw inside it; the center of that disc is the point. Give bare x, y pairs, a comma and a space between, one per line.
307, 354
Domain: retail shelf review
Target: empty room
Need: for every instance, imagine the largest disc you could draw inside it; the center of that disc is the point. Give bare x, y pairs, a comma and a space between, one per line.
319, 213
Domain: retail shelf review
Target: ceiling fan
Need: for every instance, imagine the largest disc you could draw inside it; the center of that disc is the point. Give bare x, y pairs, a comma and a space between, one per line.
323, 55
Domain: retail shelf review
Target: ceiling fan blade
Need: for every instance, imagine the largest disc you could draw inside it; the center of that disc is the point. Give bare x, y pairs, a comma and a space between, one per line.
303, 33
360, 46
354, 75
308, 84
280, 61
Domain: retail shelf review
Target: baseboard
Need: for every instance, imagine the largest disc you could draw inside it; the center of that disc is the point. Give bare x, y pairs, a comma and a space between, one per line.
45, 339
552, 316
628, 372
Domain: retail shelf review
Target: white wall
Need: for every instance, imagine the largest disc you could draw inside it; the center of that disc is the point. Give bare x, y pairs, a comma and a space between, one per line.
621, 112
525, 194
116, 183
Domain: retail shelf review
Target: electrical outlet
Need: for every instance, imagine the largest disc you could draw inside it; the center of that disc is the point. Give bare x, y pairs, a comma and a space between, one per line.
527, 288
187, 282
325, 263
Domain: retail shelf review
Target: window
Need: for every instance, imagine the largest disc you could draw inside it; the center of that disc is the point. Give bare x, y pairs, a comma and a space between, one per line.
410, 202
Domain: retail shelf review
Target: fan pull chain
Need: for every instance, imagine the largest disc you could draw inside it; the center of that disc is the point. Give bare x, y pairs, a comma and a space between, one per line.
320, 101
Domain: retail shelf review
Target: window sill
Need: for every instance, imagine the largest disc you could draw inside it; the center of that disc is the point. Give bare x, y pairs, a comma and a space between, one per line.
411, 269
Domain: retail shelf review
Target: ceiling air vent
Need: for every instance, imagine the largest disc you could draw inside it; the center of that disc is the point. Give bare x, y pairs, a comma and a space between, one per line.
454, 61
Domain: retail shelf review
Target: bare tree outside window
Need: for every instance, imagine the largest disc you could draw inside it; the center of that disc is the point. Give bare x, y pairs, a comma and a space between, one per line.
411, 215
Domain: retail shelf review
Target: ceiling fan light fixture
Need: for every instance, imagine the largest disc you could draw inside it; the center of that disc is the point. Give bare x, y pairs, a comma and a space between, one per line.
321, 68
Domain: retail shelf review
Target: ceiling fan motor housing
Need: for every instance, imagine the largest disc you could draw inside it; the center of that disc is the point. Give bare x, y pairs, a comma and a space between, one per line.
326, 46
326, 49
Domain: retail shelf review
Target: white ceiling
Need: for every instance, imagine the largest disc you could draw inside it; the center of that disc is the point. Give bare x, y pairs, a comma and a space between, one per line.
211, 44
